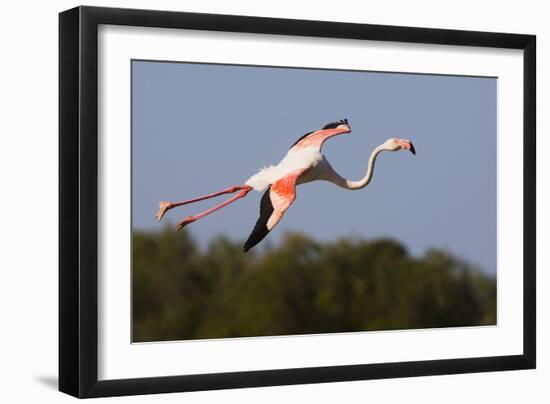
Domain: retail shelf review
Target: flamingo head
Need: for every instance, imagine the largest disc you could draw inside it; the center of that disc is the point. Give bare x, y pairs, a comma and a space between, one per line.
395, 144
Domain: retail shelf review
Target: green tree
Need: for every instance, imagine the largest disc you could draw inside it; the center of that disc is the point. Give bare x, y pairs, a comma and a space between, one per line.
298, 287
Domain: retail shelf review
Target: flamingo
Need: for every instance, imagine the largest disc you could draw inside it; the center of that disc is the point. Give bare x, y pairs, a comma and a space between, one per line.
303, 163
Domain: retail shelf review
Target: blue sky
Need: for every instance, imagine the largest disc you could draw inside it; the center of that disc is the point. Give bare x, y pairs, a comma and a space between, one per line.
198, 128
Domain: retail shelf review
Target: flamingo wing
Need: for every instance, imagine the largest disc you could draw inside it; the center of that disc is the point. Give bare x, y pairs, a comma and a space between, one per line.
317, 137
275, 201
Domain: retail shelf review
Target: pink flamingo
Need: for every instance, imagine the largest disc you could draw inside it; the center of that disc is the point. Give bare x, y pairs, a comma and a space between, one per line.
303, 163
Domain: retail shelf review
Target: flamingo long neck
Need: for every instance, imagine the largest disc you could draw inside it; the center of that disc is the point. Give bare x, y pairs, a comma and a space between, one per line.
363, 182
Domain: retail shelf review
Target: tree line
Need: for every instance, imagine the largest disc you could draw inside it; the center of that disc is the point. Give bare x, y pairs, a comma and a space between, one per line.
300, 286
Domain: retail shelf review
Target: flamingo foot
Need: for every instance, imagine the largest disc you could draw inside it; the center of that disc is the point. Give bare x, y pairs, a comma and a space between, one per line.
185, 222
163, 208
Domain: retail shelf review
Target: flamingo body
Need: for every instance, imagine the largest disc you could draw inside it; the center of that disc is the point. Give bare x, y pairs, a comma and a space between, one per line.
296, 159
303, 163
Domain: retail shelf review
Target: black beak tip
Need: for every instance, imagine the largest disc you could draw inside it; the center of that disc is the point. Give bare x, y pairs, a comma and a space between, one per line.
413, 151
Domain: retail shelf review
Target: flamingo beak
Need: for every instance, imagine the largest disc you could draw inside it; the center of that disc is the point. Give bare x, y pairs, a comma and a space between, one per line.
407, 145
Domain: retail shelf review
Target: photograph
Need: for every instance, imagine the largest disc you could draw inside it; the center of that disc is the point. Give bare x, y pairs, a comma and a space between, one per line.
298, 198
244, 223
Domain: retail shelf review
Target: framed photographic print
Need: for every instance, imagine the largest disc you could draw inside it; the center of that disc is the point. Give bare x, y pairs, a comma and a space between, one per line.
251, 201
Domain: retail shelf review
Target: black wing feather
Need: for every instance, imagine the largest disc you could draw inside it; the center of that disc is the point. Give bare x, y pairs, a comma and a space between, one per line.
260, 229
333, 125
302, 137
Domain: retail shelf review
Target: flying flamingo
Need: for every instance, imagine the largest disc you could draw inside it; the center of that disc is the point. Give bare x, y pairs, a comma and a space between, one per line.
303, 163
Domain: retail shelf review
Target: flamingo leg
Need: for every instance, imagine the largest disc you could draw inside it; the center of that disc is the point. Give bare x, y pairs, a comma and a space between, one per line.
165, 206
191, 219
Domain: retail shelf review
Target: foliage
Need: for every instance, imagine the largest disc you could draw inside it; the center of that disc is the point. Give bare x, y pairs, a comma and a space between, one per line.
299, 287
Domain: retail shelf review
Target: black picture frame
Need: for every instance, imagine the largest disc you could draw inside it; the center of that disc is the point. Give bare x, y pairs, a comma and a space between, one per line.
78, 206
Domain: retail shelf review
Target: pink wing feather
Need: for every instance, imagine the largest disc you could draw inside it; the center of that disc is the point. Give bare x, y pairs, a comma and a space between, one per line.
276, 200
